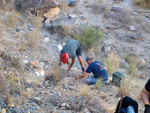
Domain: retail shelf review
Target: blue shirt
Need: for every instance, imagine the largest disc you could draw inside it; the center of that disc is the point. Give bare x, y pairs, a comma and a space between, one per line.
97, 68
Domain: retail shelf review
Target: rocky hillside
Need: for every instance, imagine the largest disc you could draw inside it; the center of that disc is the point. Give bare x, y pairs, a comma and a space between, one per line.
32, 33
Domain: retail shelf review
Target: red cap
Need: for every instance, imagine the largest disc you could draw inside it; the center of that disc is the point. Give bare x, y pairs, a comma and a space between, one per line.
65, 58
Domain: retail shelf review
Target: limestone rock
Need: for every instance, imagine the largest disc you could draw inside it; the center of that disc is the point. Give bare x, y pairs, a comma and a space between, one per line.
3, 111
132, 28
98, 104
142, 63
53, 13
34, 63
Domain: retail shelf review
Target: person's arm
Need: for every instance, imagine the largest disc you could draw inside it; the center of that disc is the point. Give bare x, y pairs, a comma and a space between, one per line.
145, 96
81, 63
73, 60
82, 76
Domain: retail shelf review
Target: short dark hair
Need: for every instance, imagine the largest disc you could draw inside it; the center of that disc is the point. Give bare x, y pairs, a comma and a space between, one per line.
89, 58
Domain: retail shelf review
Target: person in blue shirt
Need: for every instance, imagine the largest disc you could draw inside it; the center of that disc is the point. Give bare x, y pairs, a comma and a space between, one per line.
97, 68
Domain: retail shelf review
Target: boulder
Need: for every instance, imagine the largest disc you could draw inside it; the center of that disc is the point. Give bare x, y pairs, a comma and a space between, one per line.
52, 14
98, 104
38, 4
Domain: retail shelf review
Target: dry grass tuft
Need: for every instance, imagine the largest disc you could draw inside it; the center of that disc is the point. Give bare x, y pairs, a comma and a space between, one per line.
83, 90
22, 47
125, 88
36, 22
32, 39
143, 3
2, 83
54, 76
112, 63
95, 52
64, 6
132, 61
7, 5
99, 84
11, 20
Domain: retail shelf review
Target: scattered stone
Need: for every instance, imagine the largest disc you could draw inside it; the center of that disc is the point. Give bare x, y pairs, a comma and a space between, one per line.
132, 28
63, 104
47, 23
38, 100
86, 110
34, 63
117, 9
142, 76
46, 40
40, 72
142, 63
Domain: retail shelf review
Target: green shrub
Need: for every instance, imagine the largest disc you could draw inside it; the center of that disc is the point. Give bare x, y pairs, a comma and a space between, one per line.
143, 3
112, 63
132, 61
90, 37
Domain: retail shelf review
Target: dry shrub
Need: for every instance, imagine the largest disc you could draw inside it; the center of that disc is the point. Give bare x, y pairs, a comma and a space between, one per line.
36, 22
95, 52
143, 3
83, 90
11, 21
54, 76
64, 6
112, 63
32, 39
7, 5
123, 16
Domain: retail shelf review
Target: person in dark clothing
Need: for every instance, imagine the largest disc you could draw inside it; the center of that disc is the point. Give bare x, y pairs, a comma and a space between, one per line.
71, 50
145, 96
127, 101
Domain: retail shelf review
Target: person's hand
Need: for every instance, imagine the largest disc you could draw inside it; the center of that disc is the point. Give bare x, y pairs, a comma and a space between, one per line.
76, 77
147, 108
83, 70
69, 69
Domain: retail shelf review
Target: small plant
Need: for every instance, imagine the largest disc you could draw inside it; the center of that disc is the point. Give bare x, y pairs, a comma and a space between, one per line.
132, 61
143, 3
112, 63
99, 83
83, 90
22, 47
90, 36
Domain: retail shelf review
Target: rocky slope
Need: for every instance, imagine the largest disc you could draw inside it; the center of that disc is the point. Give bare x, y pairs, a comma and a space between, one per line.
31, 80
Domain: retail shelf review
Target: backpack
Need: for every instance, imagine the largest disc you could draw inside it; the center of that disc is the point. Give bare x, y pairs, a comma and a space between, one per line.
128, 106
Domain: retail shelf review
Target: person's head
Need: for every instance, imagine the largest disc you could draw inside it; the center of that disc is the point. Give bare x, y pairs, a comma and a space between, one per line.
89, 60
65, 58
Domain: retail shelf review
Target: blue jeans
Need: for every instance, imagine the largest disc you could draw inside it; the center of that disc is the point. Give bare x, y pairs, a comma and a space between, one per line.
91, 80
